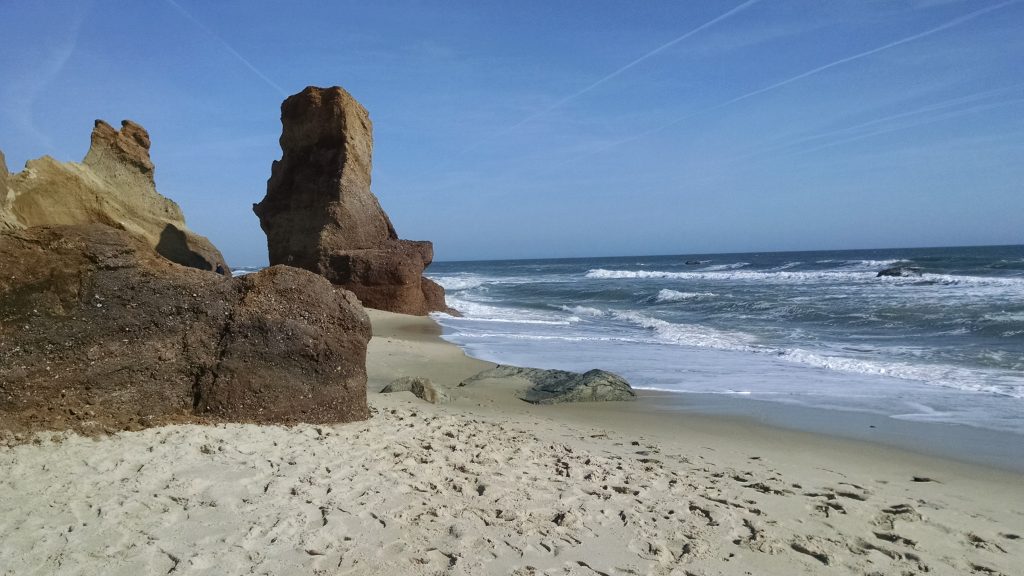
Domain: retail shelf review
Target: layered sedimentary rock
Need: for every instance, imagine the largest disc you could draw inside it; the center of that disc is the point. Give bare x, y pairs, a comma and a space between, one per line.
98, 332
319, 213
113, 185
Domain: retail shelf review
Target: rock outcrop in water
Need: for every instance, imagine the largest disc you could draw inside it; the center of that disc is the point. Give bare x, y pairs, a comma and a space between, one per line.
900, 272
99, 333
319, 213
113, 185
558, 386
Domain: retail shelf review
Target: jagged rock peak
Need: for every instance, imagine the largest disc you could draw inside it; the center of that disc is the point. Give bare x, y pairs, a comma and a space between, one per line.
128, 146
113, 186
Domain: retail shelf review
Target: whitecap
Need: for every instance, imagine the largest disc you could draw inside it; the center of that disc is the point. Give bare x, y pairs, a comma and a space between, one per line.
242, 271
582, 310
676, 296
480, 312
783, 276
689, 334
732, 266
460, 282
935, 374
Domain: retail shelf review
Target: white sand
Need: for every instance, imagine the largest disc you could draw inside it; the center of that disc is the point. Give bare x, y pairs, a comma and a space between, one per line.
490, 485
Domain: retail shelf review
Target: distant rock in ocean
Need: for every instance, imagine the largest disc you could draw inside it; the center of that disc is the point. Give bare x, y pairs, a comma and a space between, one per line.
558, 386
114, 186
99, 333
319, 213
900, 271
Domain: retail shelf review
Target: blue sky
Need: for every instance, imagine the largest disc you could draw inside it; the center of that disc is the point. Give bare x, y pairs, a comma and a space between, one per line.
572, 128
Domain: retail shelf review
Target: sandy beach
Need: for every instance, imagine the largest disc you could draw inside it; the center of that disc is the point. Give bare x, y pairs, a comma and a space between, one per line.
491, 485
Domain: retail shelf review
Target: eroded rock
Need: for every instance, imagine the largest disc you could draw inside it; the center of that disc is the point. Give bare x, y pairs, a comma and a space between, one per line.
319, 213
114, 186
98, 332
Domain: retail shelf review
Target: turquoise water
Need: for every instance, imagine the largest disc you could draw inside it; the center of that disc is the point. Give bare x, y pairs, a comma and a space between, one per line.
945, 343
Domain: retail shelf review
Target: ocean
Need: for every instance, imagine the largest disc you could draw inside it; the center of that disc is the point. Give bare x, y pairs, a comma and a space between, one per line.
944, 343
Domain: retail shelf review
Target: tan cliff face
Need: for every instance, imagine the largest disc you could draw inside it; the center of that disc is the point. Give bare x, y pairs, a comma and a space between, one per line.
114, 186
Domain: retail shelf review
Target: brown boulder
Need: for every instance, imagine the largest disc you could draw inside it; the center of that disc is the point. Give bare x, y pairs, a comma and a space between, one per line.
97, 332
293, 350
114, 186
319, 213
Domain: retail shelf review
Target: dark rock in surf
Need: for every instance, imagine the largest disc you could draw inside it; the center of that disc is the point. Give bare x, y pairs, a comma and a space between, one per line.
558, 386
900, 272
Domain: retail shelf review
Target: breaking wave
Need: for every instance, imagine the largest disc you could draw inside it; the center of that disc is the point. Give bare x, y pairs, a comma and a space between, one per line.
667, 295
806, 277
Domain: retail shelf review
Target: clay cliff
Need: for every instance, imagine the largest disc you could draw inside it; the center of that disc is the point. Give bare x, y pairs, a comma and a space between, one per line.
100, 333
319, 213
113, 185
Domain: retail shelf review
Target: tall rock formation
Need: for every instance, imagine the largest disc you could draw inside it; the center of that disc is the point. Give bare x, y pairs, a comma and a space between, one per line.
114, 186
99, 333
319, 213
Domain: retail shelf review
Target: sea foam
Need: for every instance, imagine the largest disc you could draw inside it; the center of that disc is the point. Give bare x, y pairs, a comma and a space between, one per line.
667, 295
689, 334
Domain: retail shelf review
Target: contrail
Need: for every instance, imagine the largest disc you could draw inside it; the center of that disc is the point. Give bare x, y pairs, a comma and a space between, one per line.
227, 47
950, 103
812, 72
616, 73
940, 118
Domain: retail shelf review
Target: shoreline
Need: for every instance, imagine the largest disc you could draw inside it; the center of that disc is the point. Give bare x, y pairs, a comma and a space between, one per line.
897, 459
713, 417
956, 443
489, 484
